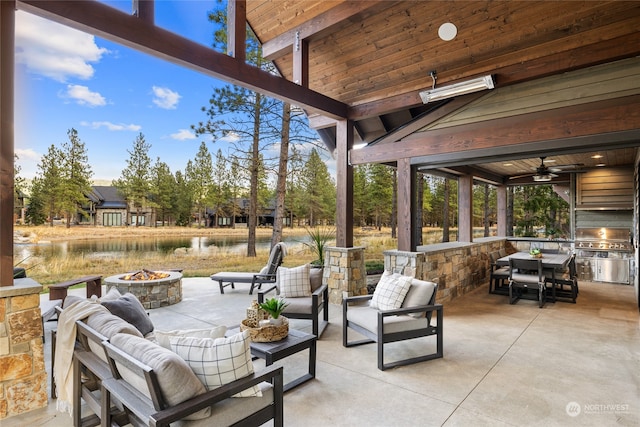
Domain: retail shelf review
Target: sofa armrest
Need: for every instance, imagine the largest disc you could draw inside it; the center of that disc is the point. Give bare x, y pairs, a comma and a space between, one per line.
271, 374
408, 310
356, 299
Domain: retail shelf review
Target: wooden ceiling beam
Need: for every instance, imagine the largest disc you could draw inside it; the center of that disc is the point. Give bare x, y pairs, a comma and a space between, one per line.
318, 27
96, 18
492, 137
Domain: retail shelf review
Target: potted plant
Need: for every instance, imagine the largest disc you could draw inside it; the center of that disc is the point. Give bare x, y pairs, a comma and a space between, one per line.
319, 239
274, 306
535, 252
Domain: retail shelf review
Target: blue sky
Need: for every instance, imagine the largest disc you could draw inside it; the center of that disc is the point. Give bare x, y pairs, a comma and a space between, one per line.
109, 93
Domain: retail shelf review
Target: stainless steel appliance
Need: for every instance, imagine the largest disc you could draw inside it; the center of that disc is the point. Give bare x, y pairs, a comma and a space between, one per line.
604, 255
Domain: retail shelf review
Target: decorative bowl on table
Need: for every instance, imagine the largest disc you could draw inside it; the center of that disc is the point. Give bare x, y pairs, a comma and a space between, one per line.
266, 332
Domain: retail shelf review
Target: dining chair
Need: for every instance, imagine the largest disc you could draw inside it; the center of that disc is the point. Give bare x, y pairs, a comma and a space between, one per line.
521, 283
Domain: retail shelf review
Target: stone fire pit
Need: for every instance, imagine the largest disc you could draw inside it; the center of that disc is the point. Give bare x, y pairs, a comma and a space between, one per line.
153, 288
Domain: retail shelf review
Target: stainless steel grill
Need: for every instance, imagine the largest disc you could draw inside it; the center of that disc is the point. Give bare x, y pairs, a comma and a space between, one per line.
604, 254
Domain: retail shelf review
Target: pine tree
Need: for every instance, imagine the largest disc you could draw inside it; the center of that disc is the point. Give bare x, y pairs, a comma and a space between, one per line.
47, 185
161, 190
199, 174
320, 191
135, 179
76, 176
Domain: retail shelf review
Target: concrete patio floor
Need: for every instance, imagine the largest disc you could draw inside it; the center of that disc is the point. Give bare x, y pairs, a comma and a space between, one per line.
503, 365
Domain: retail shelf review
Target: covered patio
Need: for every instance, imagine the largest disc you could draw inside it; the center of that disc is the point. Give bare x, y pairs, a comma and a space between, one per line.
566, 85
503, 364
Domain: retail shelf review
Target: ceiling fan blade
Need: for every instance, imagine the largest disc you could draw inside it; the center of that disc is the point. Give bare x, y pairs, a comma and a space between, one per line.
521, 176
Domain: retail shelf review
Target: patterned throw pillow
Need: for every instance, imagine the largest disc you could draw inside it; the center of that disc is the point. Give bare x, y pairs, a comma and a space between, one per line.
390, 291
163, 337
294, 282
218, 361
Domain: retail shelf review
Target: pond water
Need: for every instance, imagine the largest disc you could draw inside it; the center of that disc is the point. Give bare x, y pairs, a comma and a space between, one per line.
116, 248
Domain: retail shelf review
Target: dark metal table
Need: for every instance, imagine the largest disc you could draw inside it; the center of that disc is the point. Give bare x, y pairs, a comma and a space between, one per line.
550, 262
296, 341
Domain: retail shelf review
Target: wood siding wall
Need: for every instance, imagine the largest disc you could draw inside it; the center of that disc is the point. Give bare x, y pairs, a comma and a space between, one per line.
610, 187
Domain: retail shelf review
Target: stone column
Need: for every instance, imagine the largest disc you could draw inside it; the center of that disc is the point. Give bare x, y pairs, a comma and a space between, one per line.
23, 377
344, 271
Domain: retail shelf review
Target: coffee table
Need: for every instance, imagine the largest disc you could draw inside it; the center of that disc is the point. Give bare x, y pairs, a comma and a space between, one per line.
295, 341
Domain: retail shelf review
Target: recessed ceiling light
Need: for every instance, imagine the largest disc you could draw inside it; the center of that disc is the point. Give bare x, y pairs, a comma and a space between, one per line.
447, 31
507, 164
550, 161
600, 165
596, 156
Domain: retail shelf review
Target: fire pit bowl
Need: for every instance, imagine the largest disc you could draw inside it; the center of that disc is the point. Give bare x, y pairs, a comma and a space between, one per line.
153, 288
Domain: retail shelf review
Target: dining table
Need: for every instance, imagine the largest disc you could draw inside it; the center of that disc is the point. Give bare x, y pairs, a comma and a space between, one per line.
551, 264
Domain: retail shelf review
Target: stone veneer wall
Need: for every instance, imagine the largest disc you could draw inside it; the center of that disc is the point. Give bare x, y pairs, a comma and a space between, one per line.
457, 268
23, 377
155, 294
344, 272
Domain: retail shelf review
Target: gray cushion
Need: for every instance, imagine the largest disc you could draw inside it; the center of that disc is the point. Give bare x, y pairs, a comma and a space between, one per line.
315, 277
176, 380
130, 309
420, 293
298, 305
367, 317
230, 411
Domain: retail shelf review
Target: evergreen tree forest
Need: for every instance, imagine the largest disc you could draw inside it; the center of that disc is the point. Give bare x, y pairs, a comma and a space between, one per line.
210, 187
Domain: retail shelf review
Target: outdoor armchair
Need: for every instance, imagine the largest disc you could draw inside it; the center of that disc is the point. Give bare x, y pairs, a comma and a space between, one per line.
266, 275
302, 289
413, 319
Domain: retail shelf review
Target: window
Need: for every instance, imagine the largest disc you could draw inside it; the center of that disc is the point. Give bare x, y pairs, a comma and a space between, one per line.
111, 218
224, 221
137, 219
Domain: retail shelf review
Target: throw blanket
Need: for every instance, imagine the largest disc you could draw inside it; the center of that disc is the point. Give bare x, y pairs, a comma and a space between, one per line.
65, 342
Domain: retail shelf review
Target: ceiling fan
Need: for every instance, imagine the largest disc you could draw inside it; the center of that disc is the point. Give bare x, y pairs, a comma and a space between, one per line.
544, 173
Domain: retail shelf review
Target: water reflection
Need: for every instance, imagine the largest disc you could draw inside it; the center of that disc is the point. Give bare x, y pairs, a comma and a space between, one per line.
119, 248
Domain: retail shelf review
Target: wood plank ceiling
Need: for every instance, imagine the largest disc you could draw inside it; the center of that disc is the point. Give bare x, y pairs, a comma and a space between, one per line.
375, 56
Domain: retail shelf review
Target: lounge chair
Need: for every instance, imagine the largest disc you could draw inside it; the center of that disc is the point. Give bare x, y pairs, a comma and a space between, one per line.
266, 275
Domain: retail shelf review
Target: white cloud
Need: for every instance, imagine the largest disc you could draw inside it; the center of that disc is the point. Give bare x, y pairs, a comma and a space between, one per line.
230, 137
84, 96
24, 154
183, 134
53, 50
165, 97
112, 126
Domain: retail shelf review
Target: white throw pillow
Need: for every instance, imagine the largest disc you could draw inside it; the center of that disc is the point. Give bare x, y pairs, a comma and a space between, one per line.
390, 291
218, 361
162, 337
294, 282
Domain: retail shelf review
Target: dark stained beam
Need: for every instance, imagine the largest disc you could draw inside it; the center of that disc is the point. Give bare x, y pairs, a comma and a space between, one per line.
237, 29
406, 191
501, 197
344, 190
491, 138
465, 208
7, 62
99, 19
320, 26
145, 10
